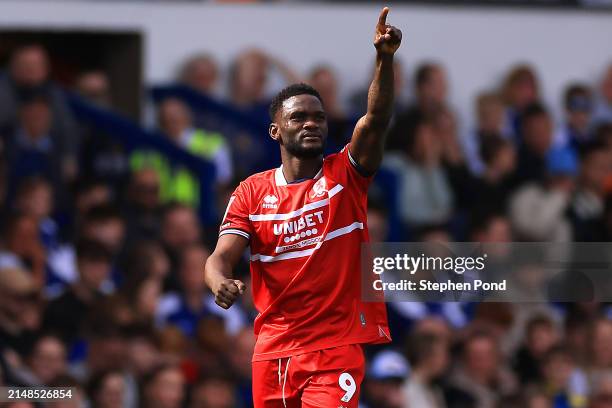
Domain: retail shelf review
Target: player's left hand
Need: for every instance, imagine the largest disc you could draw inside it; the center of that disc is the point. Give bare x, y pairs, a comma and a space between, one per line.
387, 38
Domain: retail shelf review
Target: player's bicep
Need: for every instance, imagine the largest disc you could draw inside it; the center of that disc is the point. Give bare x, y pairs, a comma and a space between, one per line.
367, 145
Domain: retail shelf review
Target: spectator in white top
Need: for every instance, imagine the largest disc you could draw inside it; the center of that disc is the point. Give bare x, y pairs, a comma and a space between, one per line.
538, 209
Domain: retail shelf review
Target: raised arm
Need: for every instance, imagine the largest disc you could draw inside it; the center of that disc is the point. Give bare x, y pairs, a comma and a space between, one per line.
218, 269
368, 139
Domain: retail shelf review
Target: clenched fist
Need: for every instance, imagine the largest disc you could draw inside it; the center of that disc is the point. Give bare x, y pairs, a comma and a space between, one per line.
228, 291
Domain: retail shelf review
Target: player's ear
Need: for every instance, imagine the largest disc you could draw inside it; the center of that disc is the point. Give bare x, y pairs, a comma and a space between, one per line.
274, 131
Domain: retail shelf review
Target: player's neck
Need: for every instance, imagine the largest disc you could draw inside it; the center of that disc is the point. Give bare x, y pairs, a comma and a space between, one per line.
299, 168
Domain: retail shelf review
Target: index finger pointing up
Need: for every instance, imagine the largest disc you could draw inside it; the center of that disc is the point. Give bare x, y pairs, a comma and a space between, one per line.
382, 19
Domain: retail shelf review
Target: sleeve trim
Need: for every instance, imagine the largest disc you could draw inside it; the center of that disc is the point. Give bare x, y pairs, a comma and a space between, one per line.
235, 231
362, 172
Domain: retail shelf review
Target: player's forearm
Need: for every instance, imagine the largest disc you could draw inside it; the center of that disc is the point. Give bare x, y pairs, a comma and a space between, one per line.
217, 270
380, 94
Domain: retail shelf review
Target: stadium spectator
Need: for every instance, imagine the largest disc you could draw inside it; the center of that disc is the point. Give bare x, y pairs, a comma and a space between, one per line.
536, 140
492, 188
78, 396
520, 89
101, 156
46, 361
445, 126
489, 124
143, 205
35, 198
22, 247
429, 360
34, 148
139, 295
176, 123
28, 75
201, 73
603, 109
66, 314
88, 194
95, 87
538, 210
20, 310
105, 225
541, 336
106, 389
249, 78
422, 179
601, 396
577, 331
185, 308
578, 105
324, 80
587, 207
214, 391
481, 372
563, 381
177, 183
431, 88
492, 227
240, 357
601, 353
143, 353
147, 258
378, 223
163, 387
384, 378
179, 229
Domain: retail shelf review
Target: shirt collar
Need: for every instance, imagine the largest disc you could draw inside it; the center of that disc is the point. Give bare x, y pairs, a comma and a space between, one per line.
280, 179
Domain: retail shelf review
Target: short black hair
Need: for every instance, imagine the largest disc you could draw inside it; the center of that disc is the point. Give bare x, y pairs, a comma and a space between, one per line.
533, 110
102, 213
592, 147
90, 250
491, 145
576, 90
423, 73
288, 92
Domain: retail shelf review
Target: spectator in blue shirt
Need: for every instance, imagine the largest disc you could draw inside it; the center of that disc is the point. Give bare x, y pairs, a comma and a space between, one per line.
578, 104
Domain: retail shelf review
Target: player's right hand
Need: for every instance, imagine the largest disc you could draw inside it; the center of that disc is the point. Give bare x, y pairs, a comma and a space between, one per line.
228, 291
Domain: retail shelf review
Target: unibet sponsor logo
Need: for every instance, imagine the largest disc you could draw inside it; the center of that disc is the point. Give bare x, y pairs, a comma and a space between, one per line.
295, 226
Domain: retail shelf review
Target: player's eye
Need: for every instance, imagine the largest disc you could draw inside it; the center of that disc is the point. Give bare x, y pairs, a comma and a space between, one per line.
298, 116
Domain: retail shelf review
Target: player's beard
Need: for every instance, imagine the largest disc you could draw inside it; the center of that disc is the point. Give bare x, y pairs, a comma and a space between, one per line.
294, 147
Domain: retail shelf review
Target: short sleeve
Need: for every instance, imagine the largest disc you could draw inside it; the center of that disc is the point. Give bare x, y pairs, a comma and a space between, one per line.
236, 217
354, 174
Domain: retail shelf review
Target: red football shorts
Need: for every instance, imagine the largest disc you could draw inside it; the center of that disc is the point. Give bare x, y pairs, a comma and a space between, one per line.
328, 378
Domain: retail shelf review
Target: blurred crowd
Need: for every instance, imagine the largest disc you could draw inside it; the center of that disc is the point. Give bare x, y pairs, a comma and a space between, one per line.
102, 250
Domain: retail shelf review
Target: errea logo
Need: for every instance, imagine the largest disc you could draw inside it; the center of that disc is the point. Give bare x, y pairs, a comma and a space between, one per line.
270, 201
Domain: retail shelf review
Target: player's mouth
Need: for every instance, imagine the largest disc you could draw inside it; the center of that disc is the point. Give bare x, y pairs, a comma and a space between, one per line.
310, 136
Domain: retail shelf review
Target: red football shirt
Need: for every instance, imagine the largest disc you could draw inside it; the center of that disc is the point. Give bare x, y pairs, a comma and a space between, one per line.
305, 242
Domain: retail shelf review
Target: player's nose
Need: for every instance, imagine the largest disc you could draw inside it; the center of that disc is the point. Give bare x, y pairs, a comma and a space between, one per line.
311, 124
